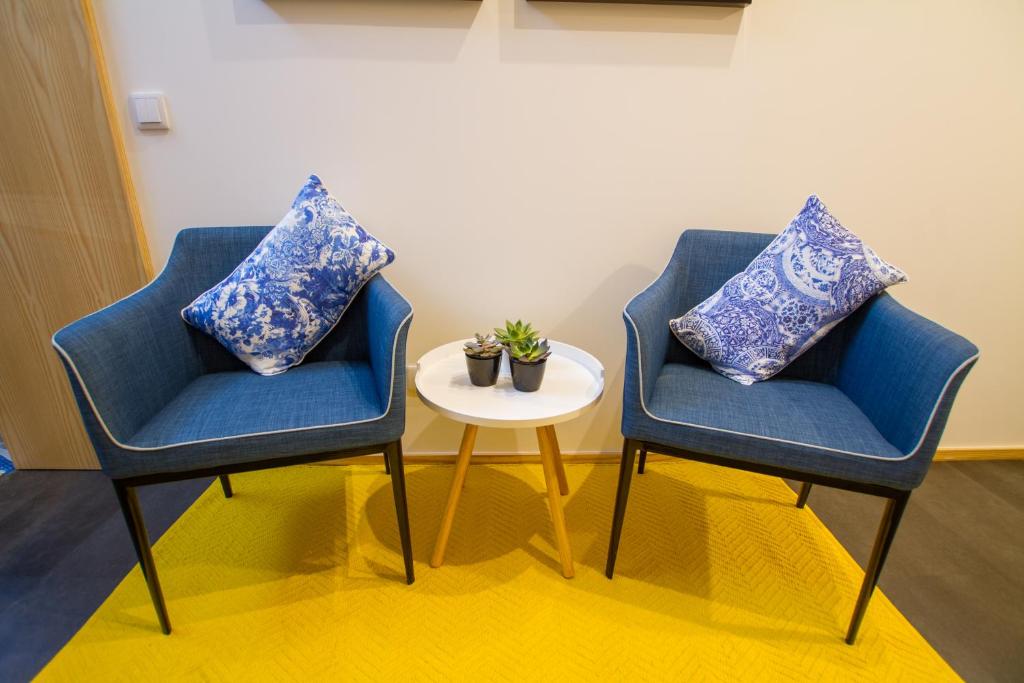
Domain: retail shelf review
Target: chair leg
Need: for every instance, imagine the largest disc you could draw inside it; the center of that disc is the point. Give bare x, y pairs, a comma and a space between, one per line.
805, 490
225, 483
643, 460
894, 508
629, 448
137, 528
393, 455
387, 465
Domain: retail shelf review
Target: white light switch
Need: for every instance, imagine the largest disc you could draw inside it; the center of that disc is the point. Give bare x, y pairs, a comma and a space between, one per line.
150, 111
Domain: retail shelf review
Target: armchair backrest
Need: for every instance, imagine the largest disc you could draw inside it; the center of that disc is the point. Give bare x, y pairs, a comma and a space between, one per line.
705, 260
207, 256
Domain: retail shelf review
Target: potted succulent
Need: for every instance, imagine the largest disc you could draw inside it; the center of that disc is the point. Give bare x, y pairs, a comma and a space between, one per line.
528, 360
483, 359
513, 332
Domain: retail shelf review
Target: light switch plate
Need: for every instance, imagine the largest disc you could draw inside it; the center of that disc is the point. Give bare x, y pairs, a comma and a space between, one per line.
150, 111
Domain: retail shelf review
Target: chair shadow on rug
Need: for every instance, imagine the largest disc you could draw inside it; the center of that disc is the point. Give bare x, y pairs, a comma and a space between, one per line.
701, 540
503, 529
321, 530
261, 539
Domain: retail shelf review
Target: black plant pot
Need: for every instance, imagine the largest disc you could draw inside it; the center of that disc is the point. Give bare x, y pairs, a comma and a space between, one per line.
528, 376
483, 372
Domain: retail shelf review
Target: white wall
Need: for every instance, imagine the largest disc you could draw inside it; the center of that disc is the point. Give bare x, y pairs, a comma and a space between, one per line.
538, 160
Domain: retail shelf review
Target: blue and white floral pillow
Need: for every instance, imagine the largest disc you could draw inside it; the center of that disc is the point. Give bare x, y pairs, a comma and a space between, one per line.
293, 289
814, 274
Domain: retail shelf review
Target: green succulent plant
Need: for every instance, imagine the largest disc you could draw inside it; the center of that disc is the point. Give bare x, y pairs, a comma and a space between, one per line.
514, 332
530, 351
483, 346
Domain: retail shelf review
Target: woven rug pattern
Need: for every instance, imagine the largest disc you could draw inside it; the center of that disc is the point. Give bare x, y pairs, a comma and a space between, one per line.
299, 576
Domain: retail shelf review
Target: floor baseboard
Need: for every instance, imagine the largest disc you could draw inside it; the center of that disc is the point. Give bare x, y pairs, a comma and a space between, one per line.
980, 454
590, 457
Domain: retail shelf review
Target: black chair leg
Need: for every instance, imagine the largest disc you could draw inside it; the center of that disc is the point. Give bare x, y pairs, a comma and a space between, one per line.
894, 508
137, 528
643, 460
629, 448
393, 456
225, 483
805, 490
387, 465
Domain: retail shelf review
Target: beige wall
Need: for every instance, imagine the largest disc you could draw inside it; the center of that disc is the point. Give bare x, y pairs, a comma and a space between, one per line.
538, 160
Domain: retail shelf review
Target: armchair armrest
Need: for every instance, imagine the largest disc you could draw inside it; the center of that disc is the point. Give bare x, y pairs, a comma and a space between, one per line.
903, 371
388, 316
646, 316
132, 357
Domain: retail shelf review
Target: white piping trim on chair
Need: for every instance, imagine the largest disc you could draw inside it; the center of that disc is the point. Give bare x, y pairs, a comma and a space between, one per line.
127, 447
643, 404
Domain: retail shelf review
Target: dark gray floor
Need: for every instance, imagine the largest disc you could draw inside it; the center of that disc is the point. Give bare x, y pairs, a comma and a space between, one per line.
956, 569
63, 548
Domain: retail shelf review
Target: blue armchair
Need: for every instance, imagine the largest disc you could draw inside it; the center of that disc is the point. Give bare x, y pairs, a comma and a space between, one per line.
862, 410
162, 401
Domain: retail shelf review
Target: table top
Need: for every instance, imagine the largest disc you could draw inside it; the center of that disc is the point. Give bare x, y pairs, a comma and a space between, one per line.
573, 382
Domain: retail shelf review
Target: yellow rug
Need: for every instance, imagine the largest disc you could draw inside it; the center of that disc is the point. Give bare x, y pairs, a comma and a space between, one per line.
299, 576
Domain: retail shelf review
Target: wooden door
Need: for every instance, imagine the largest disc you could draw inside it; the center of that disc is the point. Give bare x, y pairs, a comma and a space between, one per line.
70, 238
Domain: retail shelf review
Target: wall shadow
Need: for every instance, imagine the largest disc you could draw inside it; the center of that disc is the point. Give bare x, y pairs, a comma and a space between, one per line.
602, 310
622, 34
418, 13
419, 30
592, 16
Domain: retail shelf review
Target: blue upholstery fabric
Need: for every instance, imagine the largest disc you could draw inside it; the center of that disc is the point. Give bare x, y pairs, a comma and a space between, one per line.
868, 403
814, 413
331, 392
152, 377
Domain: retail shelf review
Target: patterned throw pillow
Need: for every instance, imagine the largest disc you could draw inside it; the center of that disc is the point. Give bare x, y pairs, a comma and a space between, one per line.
292, 290
814, 274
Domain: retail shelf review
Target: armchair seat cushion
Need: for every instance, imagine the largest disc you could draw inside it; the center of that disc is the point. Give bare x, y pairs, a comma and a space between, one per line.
807, 426
233, 404
230, 418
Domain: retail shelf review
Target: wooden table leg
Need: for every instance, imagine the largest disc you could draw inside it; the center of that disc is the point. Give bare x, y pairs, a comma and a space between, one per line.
461, 466
547, 458
563, 483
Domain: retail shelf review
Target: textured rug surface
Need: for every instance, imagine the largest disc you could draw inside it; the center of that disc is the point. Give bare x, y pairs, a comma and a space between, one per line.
719, 578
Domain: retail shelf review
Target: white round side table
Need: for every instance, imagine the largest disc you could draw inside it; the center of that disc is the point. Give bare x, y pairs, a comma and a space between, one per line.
573, 382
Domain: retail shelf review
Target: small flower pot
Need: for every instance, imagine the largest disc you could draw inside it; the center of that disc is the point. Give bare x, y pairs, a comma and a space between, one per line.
483, 372
527, 376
